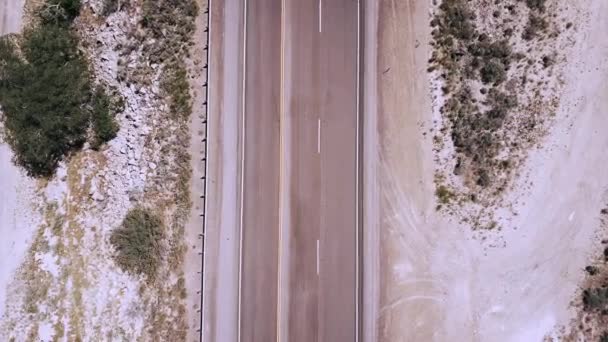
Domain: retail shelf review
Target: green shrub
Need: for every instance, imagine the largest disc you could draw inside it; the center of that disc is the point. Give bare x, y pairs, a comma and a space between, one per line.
46, 95
138, 242
538, 5
595, 298
493, 72
444, 195
59, 11
171, 23
534, 27
175, 84
102, 118
42, 98
457, 19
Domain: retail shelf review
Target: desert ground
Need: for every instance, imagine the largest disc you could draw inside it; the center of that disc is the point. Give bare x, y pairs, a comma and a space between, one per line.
59, 275
440, 279
16, 221
431, 272
10, 17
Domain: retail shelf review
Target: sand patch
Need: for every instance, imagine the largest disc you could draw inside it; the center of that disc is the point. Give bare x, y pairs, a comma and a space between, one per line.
442, 282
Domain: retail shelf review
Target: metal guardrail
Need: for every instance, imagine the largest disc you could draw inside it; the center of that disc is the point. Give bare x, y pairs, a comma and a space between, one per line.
205, 142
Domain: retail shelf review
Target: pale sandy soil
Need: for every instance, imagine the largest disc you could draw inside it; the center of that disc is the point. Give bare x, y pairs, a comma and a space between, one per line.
439, 281
10, 15
16, 223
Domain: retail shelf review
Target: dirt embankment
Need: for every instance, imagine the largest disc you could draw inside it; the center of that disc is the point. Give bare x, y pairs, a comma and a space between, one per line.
440, 279
68, 285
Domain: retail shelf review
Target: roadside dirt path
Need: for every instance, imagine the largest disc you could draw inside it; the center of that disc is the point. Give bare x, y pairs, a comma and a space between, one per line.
439, 281
15, 227
10, 15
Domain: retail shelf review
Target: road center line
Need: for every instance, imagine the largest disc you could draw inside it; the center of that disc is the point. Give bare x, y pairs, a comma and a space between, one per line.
358, 276
280, 264
320, 16
319, 136
317, 257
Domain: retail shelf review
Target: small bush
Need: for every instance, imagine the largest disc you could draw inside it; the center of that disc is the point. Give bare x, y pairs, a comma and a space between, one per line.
537, 5
444, 195
592, 270
102, 118
175, 84
171, 23
138, 242
595, 299
493, 72
457, 19
534, 27
60, 11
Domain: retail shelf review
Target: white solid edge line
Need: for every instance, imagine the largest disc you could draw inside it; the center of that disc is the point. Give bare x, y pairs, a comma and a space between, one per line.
320, 16
357, 243
242, 168
319, 136
317, 257
281, 170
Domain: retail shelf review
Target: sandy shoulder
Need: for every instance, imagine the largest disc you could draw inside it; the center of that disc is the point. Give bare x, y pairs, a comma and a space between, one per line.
10, 15
16, 223
440, 281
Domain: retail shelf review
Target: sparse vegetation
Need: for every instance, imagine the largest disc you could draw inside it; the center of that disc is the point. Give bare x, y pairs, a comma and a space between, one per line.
138, 242
595, 298
538, 5
536, 25
477, 64
102, 116
46, 94
170, 23
61, 12
176, 86
112, 6
592, 318
464, 53
444, 194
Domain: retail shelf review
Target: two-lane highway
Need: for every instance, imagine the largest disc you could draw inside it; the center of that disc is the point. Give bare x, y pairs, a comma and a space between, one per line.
291, 123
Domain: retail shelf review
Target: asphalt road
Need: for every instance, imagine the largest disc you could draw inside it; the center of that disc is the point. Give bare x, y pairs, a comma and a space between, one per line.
296, 67
321, 111
260, 225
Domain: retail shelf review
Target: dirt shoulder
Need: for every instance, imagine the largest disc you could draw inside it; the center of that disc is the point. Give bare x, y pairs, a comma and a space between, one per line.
10, 15
17, 221
194, 226
442, 281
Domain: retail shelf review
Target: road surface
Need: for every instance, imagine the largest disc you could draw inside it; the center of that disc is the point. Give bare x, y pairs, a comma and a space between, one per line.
287, 110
